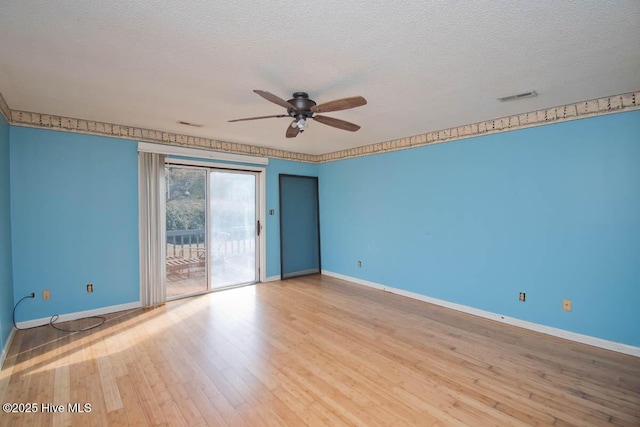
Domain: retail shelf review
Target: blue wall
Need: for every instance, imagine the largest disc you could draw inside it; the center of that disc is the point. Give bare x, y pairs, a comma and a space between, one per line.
6, 274
552, 211
74, 203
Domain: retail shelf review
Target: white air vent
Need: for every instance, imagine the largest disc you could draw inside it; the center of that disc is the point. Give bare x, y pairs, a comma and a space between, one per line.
180, 122
518, 96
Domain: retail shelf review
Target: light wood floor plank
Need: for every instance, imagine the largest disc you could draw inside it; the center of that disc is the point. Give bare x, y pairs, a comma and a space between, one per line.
148, 401
209, 413
227, 411
130, 402
315, 351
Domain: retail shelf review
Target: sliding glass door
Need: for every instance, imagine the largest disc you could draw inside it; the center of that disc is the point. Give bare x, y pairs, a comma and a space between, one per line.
233, 219
212, 229
186, 203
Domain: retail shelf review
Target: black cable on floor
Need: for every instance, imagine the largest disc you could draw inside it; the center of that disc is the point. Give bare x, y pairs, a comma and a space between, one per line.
55, 317
100, 319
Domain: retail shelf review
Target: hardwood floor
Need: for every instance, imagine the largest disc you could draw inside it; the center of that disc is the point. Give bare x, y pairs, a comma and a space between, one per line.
236, 269
314, 351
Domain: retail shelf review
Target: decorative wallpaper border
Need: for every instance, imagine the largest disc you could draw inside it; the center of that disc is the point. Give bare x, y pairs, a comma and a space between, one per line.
38, 120
4, 109
595, 107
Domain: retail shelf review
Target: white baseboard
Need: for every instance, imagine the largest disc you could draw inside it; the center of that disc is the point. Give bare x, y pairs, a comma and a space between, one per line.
549, 330
79, 315
301, 273
5, 349
271, 279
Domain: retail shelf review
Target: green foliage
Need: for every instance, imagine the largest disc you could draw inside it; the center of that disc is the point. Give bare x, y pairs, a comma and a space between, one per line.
185, 214
185, 198
185, 183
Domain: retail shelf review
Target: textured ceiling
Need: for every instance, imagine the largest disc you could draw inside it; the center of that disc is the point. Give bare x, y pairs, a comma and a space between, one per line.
422, 65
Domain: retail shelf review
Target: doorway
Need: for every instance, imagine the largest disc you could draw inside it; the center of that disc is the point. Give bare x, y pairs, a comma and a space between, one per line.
299, 226
213, 229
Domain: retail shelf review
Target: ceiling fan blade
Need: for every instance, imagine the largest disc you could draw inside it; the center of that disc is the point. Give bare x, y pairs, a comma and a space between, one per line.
336, 123
292, 132
256, 118
339, 104
275, 99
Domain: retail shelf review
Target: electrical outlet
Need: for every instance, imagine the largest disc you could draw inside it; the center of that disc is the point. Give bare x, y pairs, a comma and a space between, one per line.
566, 304
522, 296
89, 287
46, 294
359, 264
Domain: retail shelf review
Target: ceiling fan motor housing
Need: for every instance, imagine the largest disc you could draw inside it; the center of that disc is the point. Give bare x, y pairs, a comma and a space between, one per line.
303, 105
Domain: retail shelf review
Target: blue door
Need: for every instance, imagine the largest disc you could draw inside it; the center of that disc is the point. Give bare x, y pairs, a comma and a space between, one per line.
299, 226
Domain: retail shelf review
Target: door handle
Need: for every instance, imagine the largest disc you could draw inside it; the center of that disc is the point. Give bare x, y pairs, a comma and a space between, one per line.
258, 227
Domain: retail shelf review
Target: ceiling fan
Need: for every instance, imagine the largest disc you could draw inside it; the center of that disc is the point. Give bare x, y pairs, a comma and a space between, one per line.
301, 108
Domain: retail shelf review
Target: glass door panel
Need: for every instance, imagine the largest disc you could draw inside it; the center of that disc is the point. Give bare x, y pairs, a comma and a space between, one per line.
186, 271
232, 230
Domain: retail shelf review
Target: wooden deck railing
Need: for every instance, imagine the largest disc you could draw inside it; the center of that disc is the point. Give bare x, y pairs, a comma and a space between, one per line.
185, 243
192, 243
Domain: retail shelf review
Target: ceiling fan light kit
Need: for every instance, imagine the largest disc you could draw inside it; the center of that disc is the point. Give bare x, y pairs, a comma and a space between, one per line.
301, 108
300, 124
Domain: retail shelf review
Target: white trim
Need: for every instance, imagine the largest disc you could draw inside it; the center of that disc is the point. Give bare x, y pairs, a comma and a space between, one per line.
7, 345
172, 150
79, 315
271, 279
262, 183
208, 164
549, 330
300, 273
